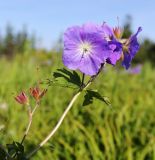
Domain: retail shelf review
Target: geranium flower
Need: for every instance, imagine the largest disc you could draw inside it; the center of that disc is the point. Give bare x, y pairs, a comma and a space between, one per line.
85, 49
116, 52
22, 98
130, 48
115, 46
124, 49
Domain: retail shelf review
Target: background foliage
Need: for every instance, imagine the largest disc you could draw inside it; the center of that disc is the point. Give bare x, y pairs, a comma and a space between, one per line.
98, 132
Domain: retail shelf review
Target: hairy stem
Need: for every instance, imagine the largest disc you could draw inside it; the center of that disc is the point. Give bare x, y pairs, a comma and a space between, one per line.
31, 113
58, 124
84, 87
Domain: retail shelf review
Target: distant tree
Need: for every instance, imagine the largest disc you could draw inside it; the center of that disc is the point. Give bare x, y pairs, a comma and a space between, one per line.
20, 42
151, 53
1, 45
9, 44
58, 45
127, 26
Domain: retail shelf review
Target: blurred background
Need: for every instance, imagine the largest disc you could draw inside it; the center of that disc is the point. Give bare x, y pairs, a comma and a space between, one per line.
30, 50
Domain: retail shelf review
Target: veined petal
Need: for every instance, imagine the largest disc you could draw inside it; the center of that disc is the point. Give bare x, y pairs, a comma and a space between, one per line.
133, 48
71, 59
115, 52
85, 50
127, 61
89, 65
106, 32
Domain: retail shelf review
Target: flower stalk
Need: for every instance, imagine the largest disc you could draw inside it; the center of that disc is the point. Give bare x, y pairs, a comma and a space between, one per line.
57, 125
75, 97
30, 114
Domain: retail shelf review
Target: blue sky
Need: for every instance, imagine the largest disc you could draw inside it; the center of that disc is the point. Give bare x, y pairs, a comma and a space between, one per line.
49, 18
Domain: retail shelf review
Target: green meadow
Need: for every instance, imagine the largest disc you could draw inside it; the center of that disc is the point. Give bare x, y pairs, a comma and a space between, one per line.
123, 131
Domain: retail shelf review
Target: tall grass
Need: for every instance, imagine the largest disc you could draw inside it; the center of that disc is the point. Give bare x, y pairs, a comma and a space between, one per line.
124, 131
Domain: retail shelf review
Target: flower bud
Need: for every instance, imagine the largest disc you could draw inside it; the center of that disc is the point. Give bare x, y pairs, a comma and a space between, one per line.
22, 98
36, 93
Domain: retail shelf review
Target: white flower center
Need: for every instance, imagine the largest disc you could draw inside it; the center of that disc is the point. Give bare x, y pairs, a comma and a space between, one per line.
85, 48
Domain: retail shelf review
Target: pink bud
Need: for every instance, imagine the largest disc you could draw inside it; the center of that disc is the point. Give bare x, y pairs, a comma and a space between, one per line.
22, 98
37, 93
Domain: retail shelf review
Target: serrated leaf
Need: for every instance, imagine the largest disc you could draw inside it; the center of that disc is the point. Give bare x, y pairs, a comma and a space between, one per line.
65, 78
61, 83
94, 94
20, 147
60, 75
70, 76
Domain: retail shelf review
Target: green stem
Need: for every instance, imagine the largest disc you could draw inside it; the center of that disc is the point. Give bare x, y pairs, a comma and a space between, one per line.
83, 76
50, 135
58, 124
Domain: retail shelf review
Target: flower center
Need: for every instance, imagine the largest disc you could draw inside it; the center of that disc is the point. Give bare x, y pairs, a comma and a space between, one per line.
85, 48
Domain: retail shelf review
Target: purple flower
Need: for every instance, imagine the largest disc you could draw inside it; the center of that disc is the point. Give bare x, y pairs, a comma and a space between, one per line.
106, 32
135, 70
115, 46
130, 48
85, 49
116, 51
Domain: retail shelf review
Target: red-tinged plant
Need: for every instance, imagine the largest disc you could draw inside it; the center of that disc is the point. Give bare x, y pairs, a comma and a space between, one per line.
37, 93
22, 98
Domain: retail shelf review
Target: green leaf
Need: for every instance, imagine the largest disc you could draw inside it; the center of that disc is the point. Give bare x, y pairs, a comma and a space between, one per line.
20, 147
94, 94
61, 83
16, 149
70, 76
11, 148
65, 78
